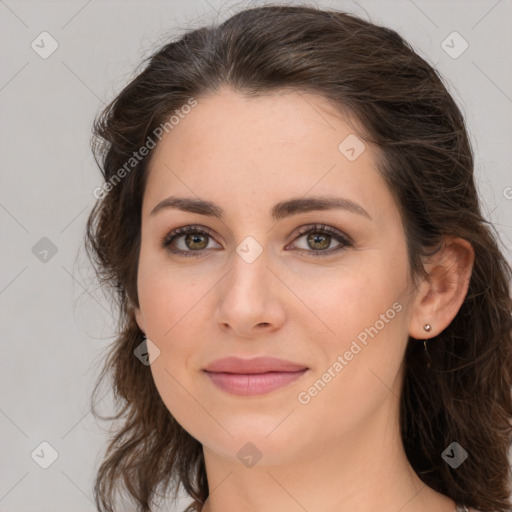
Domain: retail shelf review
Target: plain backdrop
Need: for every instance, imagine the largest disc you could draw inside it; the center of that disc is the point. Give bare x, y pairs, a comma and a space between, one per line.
55, 323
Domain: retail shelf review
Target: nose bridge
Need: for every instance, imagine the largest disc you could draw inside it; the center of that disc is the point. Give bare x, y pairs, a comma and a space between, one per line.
249, 267
247, 297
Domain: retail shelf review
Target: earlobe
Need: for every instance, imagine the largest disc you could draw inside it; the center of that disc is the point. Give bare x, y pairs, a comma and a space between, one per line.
442, 293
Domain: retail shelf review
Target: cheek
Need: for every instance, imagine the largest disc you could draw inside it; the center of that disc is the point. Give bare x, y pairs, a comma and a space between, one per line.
168, 294
355, 299
172, 302
172, 308
359, 367
366, 314
175, 321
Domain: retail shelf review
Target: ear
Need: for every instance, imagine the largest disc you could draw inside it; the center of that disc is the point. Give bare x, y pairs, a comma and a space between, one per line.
441, 294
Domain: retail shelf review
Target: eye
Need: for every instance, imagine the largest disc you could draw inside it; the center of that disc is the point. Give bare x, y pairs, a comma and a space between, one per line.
196, 238
319, 238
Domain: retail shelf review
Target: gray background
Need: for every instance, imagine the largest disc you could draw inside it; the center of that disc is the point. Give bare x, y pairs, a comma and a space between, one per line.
55, 322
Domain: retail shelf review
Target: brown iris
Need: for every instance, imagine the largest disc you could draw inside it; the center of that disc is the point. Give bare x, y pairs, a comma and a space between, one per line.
313, 238
196, 238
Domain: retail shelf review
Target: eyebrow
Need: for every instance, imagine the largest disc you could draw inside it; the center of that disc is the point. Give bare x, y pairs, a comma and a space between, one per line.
279, 211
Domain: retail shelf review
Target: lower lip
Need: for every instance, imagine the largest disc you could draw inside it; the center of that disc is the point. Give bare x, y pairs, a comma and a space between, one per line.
255, 383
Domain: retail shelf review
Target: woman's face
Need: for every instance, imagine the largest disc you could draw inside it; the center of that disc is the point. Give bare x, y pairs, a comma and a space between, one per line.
249, 284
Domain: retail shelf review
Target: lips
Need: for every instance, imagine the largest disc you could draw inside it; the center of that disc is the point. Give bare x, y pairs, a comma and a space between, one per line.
258, 376
255, 365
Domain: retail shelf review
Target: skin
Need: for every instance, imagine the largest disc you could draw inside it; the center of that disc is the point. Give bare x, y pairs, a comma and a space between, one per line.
342, 451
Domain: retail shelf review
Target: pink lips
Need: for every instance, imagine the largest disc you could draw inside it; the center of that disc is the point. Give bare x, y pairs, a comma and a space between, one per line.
253, 376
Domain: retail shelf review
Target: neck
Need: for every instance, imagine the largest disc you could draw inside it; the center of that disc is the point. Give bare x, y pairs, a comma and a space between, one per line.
365, 470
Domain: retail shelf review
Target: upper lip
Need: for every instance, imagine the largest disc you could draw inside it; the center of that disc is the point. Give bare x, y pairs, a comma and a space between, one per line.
255, 365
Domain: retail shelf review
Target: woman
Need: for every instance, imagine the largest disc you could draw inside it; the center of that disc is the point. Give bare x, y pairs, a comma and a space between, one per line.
314, 314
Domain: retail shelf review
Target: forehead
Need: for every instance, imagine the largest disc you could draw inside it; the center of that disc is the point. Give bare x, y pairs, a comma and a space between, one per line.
238, 151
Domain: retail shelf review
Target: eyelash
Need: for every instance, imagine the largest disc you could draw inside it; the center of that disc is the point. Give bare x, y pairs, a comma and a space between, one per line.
304, 230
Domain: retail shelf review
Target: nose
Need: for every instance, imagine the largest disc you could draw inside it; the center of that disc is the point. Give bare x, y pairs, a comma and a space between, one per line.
250, 299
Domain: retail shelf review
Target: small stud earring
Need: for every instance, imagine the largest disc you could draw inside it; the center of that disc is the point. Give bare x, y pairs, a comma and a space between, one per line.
427, 327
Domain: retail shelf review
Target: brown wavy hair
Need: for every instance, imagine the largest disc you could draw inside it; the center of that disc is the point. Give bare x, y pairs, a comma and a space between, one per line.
425, 156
